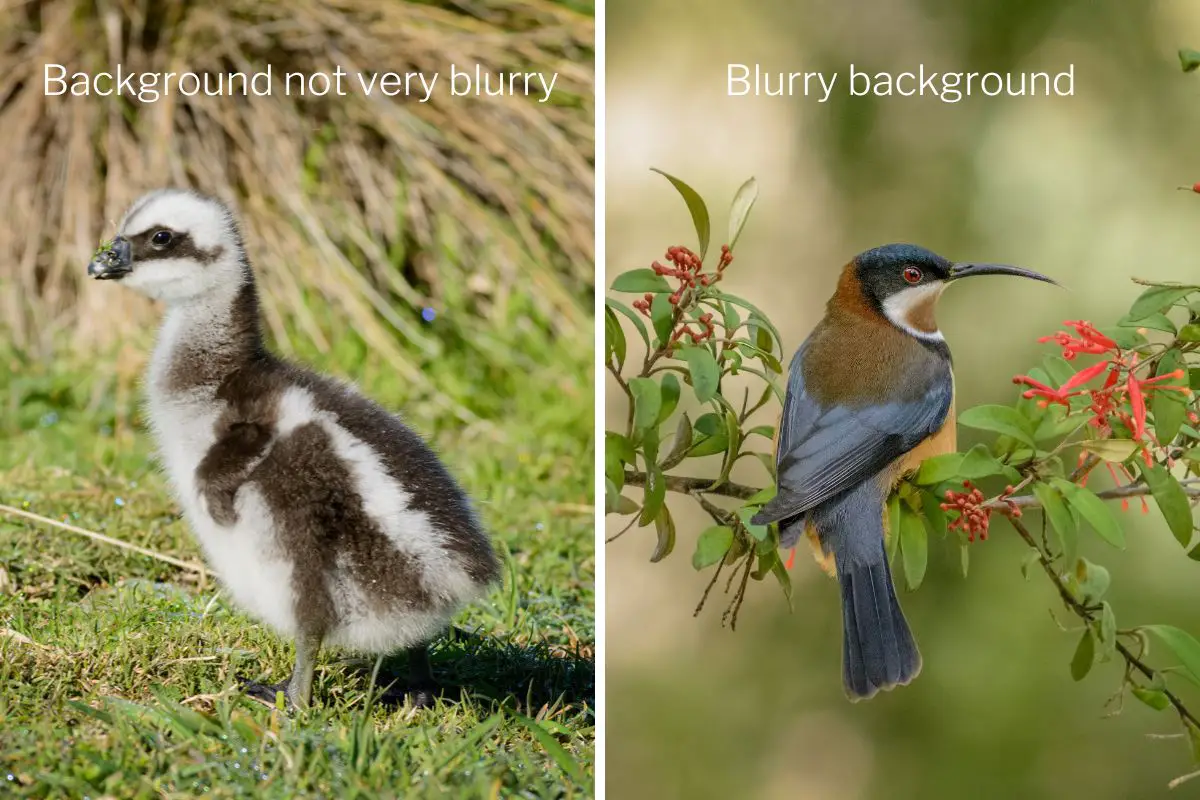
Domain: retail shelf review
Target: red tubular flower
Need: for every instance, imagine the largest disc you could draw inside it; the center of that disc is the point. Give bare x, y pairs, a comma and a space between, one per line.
1085, 375
1088, 340
1137, 402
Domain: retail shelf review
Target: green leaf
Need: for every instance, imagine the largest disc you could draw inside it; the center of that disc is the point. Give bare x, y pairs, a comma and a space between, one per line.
937, 469
733, 434
931, 507
768, 462
647, 402
1189, 59
670, 396
695, 206
1127, 338
708, 436
1181, 644
662, 317
1193, 734
785, 581
640, 281
762, 430
614, 337
979, 463
765, 342
999, 419
914, 546
761, 497
892, 541
706, 376
1094, 510
1108, 632
620, 446
612, 496
655, 494
1155, 322
681, 443
664, 526
1059, 369
1169, 407
767, 557
759, 532
1154, 698
1085, 655
1055, 510
1157, 299
631, 315
759, 317
624, 505
1115, 450
739, 211
1091, 581
1030, 558
1190, 332
1171, 499
712, 546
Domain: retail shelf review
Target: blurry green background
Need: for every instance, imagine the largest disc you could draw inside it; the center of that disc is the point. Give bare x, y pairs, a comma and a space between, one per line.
1082, 188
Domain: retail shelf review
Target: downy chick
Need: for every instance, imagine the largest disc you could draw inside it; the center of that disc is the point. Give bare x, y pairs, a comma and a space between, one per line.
323, 515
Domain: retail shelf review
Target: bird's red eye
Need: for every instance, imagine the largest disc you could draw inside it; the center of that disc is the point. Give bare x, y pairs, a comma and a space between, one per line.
912, 274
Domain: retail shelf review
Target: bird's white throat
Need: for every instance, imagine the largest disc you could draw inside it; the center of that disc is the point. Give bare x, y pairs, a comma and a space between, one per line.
912, 310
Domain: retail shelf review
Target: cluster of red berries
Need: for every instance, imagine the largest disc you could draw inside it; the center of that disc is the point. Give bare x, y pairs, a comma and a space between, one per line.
696, 336
973, 516
687, 268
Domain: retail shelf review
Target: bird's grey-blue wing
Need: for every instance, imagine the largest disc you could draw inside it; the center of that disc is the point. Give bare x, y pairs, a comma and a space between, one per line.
825, 450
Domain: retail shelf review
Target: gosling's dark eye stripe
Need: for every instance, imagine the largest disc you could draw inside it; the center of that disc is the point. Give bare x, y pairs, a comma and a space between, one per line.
182, 247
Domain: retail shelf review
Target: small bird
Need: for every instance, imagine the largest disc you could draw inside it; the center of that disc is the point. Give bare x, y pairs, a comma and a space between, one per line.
870, 395
323, 515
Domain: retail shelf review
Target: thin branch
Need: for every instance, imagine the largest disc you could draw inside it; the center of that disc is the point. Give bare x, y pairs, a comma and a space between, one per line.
1082, 611
1190, 488
694, 486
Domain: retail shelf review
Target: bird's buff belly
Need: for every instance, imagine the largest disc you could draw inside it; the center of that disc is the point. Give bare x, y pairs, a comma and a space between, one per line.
943, 442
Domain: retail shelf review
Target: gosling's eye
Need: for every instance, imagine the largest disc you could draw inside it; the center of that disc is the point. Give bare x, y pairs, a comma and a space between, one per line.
912, 274
161, 238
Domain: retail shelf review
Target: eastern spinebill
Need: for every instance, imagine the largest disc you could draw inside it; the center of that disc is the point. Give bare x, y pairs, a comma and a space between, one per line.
870, 395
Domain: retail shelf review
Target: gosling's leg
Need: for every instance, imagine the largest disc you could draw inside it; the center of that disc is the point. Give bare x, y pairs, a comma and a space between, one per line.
421, 686
297, 687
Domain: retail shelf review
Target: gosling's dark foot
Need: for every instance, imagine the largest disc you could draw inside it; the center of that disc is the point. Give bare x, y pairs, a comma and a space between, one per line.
418, 695
266, 693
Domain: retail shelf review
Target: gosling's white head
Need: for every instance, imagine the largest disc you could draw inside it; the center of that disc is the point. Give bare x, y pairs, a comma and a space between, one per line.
176, 246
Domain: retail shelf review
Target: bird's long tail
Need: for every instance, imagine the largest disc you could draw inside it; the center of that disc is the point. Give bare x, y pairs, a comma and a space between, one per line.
878, 650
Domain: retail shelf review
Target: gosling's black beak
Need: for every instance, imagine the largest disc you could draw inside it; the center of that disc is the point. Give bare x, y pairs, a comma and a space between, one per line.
970, 270
112, 261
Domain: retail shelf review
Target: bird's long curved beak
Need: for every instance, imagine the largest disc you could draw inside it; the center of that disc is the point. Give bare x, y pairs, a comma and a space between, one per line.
969, 270
112, 260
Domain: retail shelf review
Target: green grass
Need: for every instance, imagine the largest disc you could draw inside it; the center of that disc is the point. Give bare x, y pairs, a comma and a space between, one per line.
119, 670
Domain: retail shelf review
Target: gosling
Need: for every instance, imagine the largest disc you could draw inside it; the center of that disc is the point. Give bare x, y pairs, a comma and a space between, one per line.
323, 515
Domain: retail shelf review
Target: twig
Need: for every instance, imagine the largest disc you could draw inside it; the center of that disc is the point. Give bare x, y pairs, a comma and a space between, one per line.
693, 486
1190, 488
100, 537
1085, 614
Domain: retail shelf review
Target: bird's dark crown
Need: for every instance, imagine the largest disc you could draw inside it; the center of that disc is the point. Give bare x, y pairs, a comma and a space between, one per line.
884, 271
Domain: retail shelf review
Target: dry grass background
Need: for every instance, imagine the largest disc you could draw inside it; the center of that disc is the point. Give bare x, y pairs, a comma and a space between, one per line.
380, 205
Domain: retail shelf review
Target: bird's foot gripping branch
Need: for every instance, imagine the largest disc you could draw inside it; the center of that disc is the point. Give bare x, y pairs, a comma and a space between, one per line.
1106, 421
